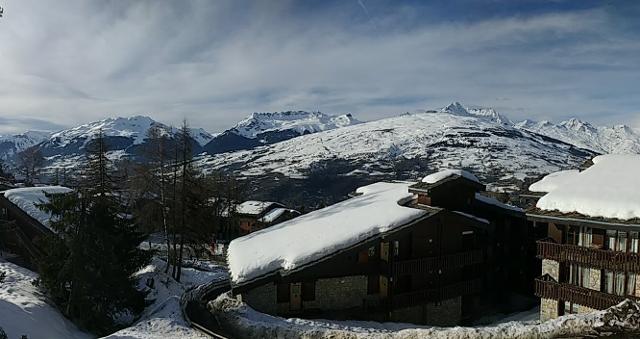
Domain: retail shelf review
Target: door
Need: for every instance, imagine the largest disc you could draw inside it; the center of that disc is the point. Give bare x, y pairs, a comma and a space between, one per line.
295, 302
384, 286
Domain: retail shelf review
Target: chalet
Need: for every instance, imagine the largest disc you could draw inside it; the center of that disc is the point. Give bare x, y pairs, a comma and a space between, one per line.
427, 253
590, 258
255, 215
22, 221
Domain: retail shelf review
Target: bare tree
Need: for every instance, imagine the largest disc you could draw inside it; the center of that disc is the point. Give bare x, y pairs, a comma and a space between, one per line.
30, 162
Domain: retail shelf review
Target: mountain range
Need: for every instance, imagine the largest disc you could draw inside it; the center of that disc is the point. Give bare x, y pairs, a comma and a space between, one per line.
298, 145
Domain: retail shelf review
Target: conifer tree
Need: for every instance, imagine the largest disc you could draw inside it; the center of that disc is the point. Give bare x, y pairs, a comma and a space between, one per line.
90, 260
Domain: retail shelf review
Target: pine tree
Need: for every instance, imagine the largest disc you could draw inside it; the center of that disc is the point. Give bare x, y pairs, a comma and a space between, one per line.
89, 263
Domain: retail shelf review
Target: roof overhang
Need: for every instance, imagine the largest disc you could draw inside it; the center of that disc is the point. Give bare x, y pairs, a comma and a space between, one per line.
573, 221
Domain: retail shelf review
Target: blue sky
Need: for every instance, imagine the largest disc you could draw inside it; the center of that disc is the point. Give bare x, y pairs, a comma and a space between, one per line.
215, 62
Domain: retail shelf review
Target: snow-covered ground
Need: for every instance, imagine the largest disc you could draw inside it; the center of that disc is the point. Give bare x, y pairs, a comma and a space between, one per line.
24, 310
163, 318
245, 322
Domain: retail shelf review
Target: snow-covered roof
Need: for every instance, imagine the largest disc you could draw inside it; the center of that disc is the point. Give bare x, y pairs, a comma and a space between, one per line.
313, 236
491, 201
610, 188
444, 174
253, 207
276, 213
551, 181
28, 199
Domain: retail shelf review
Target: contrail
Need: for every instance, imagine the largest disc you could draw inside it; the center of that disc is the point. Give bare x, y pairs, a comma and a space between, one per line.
361, 3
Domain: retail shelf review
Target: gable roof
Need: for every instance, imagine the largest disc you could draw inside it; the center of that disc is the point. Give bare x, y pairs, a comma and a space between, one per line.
255, 207
28, 200
442, 177
318, 234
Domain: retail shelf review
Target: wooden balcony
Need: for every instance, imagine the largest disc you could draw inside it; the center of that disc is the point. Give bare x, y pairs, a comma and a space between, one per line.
549, 289
433, 264
437, 294
587, 256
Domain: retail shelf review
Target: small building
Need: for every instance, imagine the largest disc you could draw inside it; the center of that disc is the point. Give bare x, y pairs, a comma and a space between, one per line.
255, 215
23, 222
590, 258
426, 253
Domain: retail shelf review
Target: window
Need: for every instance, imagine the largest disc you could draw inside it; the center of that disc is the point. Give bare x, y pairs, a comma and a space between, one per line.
308, 290
570, 308
396, 248
634, 242
363, 257
283, 293
631, 284
372, 251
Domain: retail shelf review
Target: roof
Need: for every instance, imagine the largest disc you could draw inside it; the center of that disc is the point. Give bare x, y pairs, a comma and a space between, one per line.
551, 181
295, 243
609, 189
436, 179
28, 199
494, 202
276, 213
254, 207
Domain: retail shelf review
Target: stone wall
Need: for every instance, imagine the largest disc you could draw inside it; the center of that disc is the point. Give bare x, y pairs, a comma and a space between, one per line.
338, 293
551, 267
446, 313
548, 309
262, 298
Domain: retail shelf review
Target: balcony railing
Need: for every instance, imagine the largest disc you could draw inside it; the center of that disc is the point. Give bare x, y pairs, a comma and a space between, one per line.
592, 257
437, 294
433, 264
548, 289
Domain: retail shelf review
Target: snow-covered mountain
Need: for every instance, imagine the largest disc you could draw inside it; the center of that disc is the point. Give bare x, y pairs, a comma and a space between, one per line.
602, 139
413, 144
267, 128
10, 145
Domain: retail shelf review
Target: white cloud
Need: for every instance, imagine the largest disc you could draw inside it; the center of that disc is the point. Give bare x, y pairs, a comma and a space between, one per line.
214, 62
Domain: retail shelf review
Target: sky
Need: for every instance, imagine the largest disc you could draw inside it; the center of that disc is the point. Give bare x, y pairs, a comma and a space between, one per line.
214, 62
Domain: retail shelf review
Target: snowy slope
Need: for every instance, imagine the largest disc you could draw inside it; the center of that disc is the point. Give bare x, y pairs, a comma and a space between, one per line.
620, 139
13, 144
299, 121
439, 139
25, 310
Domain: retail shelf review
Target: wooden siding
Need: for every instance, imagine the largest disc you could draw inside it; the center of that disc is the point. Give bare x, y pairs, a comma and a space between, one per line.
591, 257
549, 289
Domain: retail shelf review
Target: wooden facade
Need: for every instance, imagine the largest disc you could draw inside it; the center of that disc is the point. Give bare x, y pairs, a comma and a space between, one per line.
446, 268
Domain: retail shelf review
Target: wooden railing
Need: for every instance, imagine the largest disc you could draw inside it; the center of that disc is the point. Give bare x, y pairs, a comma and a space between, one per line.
437, 294
592, 257
580, 295
433, 264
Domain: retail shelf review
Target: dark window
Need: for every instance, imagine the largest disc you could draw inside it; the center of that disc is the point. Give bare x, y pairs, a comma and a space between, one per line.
373, 284
283, 293
363, 257
308, 290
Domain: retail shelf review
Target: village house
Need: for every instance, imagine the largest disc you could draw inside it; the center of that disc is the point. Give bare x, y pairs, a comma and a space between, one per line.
590, 258
22, 222
437, 252
255, 215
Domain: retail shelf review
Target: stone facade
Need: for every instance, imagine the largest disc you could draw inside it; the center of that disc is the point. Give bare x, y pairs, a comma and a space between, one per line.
595, 279
548, 309
262, 298
445, 313
551, 267
338, 293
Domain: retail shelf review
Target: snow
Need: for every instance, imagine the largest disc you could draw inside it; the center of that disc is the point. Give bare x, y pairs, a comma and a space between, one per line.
610, 189
300, 121
163, 318
274, 214
444, 140
446, 173
552, 181
253, 207
29, 198
246, 322
24, 310
471, 216
14, 144
313, 236
492, 201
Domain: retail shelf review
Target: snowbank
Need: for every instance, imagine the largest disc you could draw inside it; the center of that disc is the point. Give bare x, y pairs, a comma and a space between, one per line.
438, 176
310, 237
25, 310
28, 199
163, 318
610, 189
244, 322
552, 181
